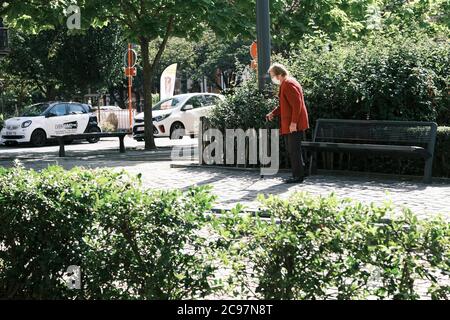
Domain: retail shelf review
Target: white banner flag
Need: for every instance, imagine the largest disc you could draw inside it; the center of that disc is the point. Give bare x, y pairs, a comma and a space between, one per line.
168, 81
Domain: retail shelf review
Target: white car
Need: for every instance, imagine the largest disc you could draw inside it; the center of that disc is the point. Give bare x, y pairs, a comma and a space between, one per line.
41, 121
181, 113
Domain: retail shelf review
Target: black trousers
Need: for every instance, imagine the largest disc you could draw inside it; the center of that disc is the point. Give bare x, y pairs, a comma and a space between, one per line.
294, 147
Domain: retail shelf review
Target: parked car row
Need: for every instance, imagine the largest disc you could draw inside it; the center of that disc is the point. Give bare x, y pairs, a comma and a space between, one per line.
178, 115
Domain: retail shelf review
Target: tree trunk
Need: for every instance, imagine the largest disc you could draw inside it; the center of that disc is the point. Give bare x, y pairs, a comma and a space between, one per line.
148, 122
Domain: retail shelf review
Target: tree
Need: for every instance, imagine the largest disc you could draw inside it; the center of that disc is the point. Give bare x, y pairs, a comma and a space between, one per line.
214, 55
142, 22
55, 65
145, 21
292, 20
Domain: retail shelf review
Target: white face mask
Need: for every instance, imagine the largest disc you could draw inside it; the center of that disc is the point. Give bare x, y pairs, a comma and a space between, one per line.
276, 81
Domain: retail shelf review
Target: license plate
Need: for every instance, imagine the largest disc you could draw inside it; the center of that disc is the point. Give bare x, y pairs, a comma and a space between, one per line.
10, 133
140, 129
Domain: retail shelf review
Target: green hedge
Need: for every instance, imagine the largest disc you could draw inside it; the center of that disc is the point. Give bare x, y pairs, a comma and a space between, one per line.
244, 108
136, 244
382, 78
130, 243
325, 248
441, 166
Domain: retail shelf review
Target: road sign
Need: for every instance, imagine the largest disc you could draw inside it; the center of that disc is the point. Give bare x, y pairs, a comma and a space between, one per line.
254, 50
130, 72
133, 58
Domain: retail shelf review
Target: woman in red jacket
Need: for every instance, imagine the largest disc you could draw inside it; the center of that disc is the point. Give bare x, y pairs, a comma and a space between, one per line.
294, 118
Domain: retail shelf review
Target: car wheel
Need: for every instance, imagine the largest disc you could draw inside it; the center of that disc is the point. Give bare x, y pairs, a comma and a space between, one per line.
38, 138
93, 130
179, 127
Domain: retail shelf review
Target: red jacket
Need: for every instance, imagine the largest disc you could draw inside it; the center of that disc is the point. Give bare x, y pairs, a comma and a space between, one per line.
292, 107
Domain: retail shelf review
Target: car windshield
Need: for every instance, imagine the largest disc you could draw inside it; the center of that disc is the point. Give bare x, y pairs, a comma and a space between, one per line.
35, 110
167, 104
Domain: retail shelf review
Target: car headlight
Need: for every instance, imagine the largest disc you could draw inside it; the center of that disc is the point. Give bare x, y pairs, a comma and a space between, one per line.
160, 118
26, 124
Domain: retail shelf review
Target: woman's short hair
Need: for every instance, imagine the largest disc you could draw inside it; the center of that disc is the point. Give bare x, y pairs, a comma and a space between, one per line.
279, 70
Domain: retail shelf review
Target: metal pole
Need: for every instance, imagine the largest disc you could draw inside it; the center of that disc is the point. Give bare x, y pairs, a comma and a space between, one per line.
264, 46
130, 94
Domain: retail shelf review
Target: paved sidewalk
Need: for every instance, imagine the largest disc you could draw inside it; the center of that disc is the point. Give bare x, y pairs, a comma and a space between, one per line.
233, 186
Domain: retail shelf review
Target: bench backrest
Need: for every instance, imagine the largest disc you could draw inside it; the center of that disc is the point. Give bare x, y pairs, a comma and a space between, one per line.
376, 132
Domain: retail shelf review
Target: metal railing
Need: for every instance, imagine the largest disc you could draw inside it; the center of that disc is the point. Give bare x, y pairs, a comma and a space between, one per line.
121, 117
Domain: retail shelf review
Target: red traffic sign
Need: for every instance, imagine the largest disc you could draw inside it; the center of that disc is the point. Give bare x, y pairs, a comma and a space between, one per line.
254, 50
130, 72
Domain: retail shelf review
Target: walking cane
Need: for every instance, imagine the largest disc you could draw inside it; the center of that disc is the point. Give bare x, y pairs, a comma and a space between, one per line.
263, 165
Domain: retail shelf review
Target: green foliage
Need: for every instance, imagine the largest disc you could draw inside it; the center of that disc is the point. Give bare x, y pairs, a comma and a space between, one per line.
245, 107
58, 64
215, 57
441, 166
293, 20
136, 244
325, 248
396, 78
130, 243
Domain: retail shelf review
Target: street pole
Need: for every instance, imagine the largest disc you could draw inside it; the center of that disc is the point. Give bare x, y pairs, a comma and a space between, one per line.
264, 46
130, 93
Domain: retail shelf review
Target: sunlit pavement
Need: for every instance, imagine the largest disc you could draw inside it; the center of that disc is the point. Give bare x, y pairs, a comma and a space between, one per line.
231, 186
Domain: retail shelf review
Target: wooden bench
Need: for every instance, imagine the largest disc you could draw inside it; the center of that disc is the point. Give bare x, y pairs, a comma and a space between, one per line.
396, 138
70, 137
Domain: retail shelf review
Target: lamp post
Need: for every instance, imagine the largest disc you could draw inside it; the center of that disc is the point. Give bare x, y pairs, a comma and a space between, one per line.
264, 46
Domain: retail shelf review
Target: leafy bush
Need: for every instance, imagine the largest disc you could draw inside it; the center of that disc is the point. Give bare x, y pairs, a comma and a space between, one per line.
130, 243
384, 78
137, 244
381, 78
325, 248
442, 153
244, 108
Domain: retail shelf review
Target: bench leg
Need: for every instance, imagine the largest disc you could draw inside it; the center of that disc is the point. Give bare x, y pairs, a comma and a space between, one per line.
122, 144
428, 170
313, 163
62, 151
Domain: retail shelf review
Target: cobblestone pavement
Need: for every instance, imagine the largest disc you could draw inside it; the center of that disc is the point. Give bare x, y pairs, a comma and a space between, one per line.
235, 186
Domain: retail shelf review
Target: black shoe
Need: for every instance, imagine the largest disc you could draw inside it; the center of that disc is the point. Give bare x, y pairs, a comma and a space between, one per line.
294, 180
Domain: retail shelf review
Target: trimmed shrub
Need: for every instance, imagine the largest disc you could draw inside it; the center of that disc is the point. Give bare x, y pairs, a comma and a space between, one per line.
130, 243
136, 244
244, 108
382, 78
325, 248
442, 153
